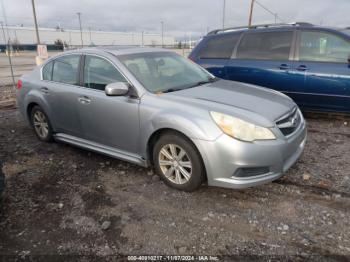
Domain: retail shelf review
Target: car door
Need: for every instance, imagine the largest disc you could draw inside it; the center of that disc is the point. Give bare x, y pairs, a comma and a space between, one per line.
264, 58
60, 86
109, 120
215, 52
323, 70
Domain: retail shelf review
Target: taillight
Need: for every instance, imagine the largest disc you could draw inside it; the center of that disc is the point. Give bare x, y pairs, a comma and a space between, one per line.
19, 84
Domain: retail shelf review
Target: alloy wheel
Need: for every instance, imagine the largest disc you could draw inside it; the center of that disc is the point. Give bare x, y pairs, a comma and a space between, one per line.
175, 164
41, 125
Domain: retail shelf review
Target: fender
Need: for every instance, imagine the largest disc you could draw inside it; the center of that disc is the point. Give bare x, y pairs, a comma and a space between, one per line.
191, 126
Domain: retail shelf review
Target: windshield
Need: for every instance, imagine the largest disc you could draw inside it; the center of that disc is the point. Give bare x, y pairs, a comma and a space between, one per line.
165, 71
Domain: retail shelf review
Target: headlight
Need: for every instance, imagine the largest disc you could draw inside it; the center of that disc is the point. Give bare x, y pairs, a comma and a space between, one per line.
241, 129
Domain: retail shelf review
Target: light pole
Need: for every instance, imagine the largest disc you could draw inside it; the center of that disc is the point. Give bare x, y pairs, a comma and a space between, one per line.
162, 23
251, 13
36, 24
142, 40
8, 54
223, 14
5, 18
81, 30
90, 35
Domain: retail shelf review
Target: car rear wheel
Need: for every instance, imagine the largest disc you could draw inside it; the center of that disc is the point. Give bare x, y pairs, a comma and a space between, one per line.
178, 162
41, 124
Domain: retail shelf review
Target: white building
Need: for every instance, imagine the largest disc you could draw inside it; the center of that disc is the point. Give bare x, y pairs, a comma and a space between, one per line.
27, 36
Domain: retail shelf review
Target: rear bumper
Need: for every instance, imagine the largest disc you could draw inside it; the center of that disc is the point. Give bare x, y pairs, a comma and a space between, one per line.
225, 157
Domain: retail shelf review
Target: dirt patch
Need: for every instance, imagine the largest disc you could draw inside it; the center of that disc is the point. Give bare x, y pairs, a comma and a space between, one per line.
64, 200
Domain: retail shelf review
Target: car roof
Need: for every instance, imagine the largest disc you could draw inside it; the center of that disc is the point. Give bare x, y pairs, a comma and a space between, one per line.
118, 50
273, 27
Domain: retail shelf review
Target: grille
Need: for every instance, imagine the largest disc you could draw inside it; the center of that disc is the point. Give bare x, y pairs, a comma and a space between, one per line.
290, 123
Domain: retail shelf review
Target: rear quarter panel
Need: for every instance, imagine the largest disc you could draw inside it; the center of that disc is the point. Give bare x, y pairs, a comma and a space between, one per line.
30, 93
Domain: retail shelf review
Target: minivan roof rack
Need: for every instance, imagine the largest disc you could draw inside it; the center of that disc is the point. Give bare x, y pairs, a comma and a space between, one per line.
259, 26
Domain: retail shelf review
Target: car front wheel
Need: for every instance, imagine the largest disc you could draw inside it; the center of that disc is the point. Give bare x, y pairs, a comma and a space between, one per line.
178, 162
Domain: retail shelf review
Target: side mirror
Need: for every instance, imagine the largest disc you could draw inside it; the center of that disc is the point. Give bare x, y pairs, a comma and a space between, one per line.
349, 60
117, 89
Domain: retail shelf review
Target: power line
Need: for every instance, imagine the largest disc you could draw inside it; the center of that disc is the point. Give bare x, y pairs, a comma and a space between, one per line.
223, 14
269, 11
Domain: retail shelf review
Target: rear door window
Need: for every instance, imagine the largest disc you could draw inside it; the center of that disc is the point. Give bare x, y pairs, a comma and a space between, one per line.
265, 46
323, 47
98, 73
65, 69
219, 47
47, 71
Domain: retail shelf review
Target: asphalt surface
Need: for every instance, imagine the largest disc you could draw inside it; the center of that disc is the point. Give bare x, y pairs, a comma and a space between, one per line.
64, 200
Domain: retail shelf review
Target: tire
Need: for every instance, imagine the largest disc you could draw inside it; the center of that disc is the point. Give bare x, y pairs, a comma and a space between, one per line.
40, 121
182, 172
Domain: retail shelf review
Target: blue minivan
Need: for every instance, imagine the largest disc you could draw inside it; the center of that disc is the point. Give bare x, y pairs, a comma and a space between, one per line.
311, 64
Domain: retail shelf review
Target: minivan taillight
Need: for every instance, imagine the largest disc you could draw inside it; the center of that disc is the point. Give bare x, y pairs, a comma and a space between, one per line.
19, 84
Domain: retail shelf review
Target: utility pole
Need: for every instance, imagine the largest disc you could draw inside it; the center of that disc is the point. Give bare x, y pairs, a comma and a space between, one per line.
8, 54
81, 30
223, 14
162, 23
251, 13
36, 24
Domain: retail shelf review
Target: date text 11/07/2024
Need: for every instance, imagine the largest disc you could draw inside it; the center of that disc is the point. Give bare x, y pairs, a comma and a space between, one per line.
173, 258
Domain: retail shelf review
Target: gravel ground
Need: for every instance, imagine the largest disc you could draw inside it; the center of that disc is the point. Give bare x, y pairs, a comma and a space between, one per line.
64, 200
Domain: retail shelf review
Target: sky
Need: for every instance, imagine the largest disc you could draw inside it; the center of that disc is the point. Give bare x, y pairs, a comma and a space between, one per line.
181, 17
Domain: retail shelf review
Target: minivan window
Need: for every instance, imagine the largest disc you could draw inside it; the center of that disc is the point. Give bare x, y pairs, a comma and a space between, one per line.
98, 73
323, 47
219, 47
47, 71
65, 69
265, 46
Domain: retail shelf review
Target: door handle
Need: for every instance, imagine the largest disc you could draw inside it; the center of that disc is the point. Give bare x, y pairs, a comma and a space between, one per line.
302, 68
84, 100
44, 90
284, 67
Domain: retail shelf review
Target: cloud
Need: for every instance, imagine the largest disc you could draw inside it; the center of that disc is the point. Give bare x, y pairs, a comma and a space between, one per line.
181, 17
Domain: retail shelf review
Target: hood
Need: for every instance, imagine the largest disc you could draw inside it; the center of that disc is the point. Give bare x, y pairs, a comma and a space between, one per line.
265, 102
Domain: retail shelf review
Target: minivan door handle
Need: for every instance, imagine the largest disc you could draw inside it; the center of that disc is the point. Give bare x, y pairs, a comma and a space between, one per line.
302, 68
284, 67
84, 100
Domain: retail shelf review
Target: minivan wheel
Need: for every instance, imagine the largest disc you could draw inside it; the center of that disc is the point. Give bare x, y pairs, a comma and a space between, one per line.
178, 162
41, 124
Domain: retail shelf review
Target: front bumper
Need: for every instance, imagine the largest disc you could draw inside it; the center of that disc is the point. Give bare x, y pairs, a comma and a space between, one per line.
225, 156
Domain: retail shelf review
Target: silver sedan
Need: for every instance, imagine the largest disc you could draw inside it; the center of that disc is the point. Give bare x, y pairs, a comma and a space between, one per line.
153, 107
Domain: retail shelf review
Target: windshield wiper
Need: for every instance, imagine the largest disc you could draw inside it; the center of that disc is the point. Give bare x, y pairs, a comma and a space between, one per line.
170, 90
210, 80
